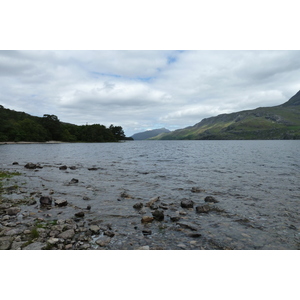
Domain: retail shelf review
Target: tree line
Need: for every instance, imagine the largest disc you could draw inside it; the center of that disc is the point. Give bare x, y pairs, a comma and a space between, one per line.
19, 126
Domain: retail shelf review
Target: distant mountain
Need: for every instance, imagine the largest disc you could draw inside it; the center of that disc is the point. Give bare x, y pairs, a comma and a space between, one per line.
149, 134
269, 123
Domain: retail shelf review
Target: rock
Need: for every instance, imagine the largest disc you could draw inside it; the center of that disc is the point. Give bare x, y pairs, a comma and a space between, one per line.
73, 168
103, 241
144, 248
16, 245
194, 234
69, 246
92, 169
211, 199
68, 234
88, 207
187, 204
74, 180
158, 215
79, 214
34, 246
187, 225
13, 211
138, 205
94, 229
30, 166
126, 195
147, 219
152, 201
46, 200
32, 202
5, 242
63, 167
15, 163
203, 208
153, 206
86, 198
197, 190
53, 241
109, 233
174, 218
147, 232
61, 202
163, 206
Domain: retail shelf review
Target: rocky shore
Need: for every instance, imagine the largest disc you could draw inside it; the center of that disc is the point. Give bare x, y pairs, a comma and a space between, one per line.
30, 220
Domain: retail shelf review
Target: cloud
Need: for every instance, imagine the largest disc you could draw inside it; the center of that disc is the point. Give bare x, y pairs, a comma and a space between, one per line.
139, 90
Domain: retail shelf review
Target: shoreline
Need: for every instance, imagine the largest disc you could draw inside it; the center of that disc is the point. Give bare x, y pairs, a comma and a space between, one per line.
21, 143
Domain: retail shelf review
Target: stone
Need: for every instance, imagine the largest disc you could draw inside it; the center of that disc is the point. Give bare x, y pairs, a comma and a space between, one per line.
92, 169
138, 205
146, 232
34, 246
194, 234
61, 202
46, 200
147, 219
30, 166
126, 195
74, 180
152, 201
72, 168
187, 204
203, 208
32, 202
79, 214
68, 234
5, 242
63, 167
197, 190
103, 241
16, 245
187, 225
69, 246
53, 241
94, 229
174, 218
88, 207
144, 248
109, 233
158, 215
86, 198
211, 199
13, 211
15, 163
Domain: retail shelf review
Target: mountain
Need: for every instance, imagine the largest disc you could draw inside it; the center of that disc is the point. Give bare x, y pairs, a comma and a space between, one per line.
149, 134
268, 123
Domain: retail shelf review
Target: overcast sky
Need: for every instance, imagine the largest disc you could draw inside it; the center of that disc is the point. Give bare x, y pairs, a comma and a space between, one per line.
141, 90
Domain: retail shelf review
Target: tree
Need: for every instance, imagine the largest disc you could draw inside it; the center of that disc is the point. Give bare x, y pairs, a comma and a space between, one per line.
117, 131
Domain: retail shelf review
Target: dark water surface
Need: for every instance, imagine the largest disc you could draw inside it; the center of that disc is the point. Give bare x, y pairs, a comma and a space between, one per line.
257, 184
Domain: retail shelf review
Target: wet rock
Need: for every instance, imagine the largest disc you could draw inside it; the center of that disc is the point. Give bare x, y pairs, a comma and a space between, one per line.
72, 168
197, 190
86, 198
126, 195
88, 207
109, 233
147, 219
203, 208
158, 215
138, 205
94, 229
74, 180
174, 218
153, 206
32, 166
187, 225
163, 206
15, 163
187, 204
32, 202
68, 234
79, 214
211, 199
63, 167
61, 202
92, 169
103, 241
152, 201
147, 232
46, 200
13, 211
194, 234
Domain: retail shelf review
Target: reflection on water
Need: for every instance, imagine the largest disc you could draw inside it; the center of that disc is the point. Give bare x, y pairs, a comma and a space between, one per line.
256, 183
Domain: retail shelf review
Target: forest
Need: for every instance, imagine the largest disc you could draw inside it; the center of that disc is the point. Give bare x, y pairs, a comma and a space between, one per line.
20, 126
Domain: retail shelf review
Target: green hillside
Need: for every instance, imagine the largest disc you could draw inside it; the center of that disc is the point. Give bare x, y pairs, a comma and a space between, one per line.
278, 122
19, 126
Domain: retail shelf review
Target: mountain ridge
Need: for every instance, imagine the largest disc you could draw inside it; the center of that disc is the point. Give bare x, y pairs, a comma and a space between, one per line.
149, 134
276, 122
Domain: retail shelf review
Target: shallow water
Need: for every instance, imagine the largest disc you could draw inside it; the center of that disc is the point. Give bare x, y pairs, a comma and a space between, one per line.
255, 182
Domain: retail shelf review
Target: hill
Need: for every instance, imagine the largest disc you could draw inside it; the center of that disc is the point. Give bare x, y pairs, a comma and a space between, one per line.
269, 123
149, 134
19, 126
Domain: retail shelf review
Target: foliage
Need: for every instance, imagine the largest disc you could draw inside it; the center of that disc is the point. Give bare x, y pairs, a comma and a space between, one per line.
19, 126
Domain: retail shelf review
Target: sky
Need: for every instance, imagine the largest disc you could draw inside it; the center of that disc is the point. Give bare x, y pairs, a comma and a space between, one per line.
142, 90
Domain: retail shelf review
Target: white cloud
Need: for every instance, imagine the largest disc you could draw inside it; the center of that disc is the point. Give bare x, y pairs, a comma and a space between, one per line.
139, 90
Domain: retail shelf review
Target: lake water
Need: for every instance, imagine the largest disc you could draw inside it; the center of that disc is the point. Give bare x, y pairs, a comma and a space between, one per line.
257, 184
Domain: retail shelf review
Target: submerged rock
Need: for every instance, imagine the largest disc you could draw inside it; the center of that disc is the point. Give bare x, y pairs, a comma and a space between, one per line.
187, 225
33, 166
46, 200
79, 214
152, 201
203, 208
197, 190
103, 241
147, 219
63, 167
187, 204
211, 199
158, 215
138, 205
